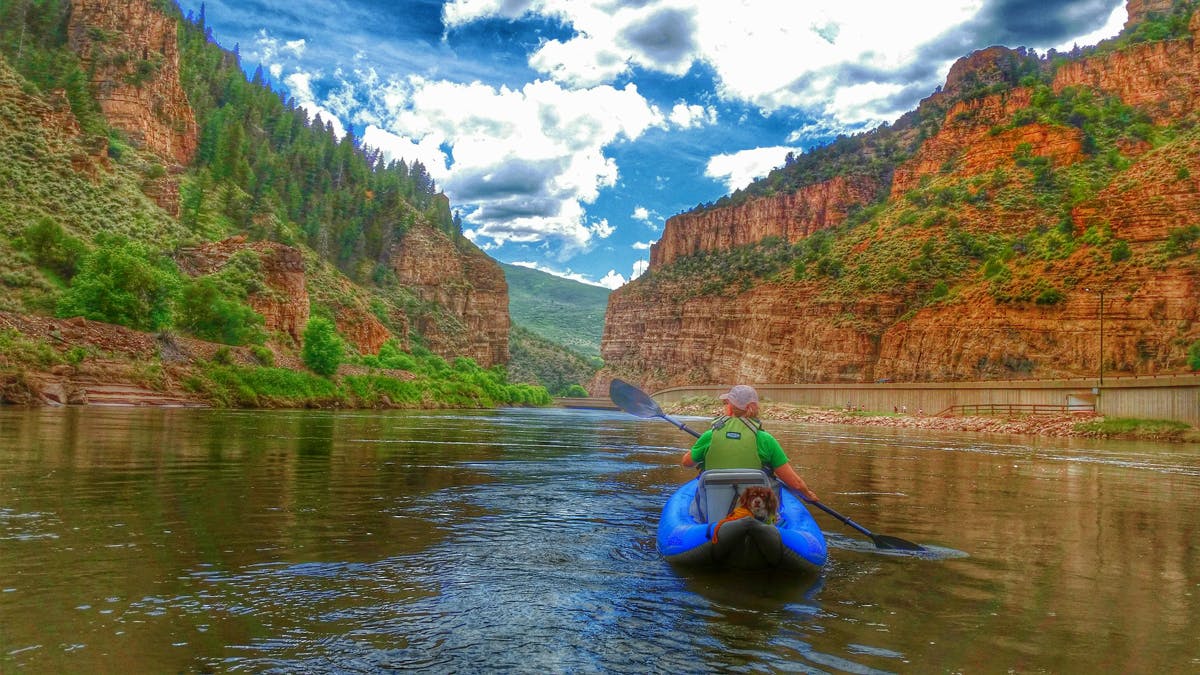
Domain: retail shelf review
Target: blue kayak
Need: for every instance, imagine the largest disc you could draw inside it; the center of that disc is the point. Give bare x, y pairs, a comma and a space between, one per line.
685, 530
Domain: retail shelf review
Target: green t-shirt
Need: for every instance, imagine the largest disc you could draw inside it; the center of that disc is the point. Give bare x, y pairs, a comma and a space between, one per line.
769, 450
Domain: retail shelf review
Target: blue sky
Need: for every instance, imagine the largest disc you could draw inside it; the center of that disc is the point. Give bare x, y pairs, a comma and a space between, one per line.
566, 132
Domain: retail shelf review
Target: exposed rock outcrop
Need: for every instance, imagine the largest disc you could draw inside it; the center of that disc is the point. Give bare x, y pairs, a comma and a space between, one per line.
790, 216
659, 332
469, 287
967, 146
283, 303
1137, 10
131, 50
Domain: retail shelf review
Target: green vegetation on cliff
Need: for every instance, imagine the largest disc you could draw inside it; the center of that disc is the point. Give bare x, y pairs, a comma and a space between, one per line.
81, 233
562, 311
533, 358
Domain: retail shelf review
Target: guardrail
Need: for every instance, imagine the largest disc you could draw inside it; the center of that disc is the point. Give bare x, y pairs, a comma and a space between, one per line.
1017, 409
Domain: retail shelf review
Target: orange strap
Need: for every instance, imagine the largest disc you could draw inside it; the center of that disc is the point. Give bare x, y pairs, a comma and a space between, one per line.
738, 513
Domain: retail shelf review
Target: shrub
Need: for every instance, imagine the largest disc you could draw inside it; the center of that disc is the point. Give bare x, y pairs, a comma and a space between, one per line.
1194, 355
264, 356
1180, 240
1121, 251
53, 248
122, 282
210, 314
323, 349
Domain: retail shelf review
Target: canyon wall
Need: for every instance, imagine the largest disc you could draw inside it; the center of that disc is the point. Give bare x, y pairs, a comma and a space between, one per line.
661, 332
131, 50
283, 301
469, 287
790, 216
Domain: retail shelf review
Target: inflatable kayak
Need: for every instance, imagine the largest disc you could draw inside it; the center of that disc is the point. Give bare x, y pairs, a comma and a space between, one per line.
685, 530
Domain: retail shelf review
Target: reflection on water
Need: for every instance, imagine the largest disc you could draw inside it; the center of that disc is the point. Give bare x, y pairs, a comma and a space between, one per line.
167, 540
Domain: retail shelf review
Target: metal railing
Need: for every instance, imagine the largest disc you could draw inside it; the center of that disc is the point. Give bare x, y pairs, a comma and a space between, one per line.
1017, 409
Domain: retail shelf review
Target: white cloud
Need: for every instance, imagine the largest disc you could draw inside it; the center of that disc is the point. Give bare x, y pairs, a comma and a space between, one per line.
525, 161
641, 245
568, 274
300, 84
393, 147
612, 280
639, 268
295, 47
687, 116
641, 213
772, 54
602, 229
739, 169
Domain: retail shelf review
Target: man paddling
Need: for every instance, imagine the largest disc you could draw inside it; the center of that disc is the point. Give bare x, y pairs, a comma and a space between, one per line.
737, 441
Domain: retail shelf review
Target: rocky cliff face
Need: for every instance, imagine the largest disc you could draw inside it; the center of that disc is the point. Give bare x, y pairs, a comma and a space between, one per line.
966, 145
797, 331
1136, 10
131, 50
469, 287
789, 216
284, 301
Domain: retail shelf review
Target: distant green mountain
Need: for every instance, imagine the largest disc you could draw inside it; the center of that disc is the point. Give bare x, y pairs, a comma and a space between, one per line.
535, 360
563, 311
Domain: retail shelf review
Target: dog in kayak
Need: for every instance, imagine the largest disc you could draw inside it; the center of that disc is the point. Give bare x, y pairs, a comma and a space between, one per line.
756, 502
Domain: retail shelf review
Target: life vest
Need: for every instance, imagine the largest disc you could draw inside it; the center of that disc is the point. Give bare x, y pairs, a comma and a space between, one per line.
734, 445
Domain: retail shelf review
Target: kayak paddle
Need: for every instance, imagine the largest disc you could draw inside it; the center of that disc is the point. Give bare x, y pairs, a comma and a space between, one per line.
636, 402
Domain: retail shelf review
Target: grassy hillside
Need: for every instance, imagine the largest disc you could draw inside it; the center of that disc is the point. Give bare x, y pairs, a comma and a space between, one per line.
560, 310
535, 360
81, 234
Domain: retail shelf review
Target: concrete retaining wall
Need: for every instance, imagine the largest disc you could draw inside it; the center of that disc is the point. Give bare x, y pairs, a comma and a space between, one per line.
1175, 397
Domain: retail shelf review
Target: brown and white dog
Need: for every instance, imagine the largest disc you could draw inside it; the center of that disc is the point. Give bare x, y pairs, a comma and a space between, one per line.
756, 502
761, 502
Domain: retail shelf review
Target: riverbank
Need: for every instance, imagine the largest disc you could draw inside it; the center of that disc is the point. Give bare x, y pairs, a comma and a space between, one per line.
1081, 425
51, 361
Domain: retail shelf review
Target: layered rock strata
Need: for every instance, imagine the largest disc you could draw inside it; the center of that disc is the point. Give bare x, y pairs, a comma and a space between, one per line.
791, 216
284, 301
131, 50
660, 335
469, 288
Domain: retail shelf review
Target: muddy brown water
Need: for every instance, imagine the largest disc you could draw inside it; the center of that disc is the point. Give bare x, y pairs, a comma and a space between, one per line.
142, 540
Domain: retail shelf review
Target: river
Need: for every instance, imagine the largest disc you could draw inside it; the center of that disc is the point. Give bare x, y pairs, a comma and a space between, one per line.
168, 540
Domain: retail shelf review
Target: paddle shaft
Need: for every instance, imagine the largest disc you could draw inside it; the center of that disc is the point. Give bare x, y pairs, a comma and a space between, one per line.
842, 518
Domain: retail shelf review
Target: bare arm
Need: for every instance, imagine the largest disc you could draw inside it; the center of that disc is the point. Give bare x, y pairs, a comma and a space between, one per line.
687, 460
790, 478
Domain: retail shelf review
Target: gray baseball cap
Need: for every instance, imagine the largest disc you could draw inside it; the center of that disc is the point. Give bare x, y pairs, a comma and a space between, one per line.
740, 396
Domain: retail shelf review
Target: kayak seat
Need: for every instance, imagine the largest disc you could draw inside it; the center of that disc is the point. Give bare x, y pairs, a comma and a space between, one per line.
717, 494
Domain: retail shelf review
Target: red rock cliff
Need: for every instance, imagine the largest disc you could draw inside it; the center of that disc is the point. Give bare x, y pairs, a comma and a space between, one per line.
789, 216
662, 333
469, 287
132, 52
283, 302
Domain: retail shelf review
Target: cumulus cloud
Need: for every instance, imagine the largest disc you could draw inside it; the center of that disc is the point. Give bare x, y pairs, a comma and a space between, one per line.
573, 276
612, 280
300, 84
639, 268
641, 213
857, 62
524, 161
642, 245
687, 116
737, 170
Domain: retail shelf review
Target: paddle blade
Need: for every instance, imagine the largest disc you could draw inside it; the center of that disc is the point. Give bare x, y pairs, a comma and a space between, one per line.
884, 541
633, 400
